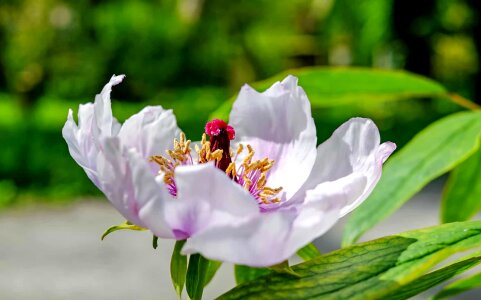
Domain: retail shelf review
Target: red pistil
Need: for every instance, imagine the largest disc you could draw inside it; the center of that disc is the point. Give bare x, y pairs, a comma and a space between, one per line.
220, 134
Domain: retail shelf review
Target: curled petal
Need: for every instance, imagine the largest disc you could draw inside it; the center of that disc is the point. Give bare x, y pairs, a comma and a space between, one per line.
94, 120
106, 123
352, 150
279, 126
105, 158
81, 148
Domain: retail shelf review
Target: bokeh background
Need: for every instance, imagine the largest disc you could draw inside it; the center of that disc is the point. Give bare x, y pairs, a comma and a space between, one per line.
192, 55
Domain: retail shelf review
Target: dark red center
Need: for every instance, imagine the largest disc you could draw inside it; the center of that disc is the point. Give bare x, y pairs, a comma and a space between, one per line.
220, 134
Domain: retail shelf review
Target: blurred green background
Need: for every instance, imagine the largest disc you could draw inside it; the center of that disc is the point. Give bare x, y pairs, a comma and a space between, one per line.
192, 55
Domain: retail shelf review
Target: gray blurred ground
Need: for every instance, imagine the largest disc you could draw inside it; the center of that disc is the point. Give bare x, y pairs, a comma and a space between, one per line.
56, 253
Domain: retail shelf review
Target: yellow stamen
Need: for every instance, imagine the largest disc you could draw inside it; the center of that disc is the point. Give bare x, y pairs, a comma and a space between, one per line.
231, 170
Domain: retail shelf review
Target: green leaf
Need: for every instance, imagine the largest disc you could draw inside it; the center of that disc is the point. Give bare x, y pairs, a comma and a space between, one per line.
124, 226
432, 279
211, 270
334, 86
457, 287
370, 270
432, 152
245, 273
462, 194
178, 267
308, 252
196, 276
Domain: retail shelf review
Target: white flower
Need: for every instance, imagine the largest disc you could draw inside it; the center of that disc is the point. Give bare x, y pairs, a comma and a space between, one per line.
256, 206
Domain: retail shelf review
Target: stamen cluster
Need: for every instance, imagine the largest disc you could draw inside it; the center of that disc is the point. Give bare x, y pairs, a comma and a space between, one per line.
252, 175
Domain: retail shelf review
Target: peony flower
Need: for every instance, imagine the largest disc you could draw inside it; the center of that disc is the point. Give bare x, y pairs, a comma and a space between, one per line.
253, 193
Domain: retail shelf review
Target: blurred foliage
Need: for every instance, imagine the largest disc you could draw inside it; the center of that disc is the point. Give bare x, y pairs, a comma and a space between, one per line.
191, 55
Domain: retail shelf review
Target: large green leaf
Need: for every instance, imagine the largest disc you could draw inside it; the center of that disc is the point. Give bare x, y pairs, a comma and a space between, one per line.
371, 270
331, 86
460, 286
462, 194
432, 279
431, 153
178, 267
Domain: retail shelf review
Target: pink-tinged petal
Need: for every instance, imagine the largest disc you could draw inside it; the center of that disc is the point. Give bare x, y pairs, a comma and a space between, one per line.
117, 181
103, 108
257, 242
206, 198
153, 201
128, 182
278, 125
150, 132
94, 120
352, 149
321, 209
81, 145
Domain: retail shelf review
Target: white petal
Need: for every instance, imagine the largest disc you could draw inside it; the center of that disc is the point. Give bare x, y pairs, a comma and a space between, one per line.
103, 108
321, 209
352, 149
258, 242
116, 180
82, 147
206, 198
94, 120
278, 125
151, 131
206, 183
211, 199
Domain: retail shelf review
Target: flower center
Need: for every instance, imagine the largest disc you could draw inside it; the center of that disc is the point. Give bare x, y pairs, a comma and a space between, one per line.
251, 174
220, 135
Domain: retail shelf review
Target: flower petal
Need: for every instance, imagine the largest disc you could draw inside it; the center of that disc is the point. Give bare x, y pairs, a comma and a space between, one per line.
151, 131
107, 159
206, 198
81, 148
352, 149
117, 184
321, 209
94, 120
257, 242
103, 108
206, 183
279, 126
